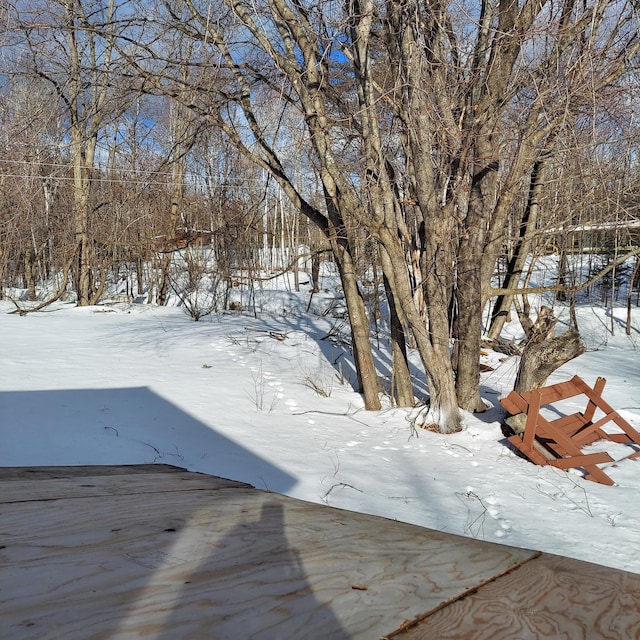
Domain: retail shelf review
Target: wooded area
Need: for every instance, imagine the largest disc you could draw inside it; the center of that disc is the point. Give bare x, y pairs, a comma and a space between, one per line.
434, 148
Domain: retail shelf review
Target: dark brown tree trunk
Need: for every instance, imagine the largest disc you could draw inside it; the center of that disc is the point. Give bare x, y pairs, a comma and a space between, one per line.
315, 272
469, 328
139, 275
368, 384
30, 273
84, 253
402, 387
503, 303
469, 281
163, 284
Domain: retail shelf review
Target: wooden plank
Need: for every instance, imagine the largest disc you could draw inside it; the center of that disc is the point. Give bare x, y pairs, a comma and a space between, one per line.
566, 436
546, 439
582, 460
634, 435
598, 400
563, 441
598, 475
537, 453
593, 432
593, 436
598, 388
510, 405
548, 597
532, 420
555, 392
516, 400
84, 486
621, 438
569, 454
238, 563
46, 473
570, 424
588, 462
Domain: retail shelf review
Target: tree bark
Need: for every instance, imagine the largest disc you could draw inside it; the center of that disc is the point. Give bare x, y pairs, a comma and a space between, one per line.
469, 285
432, 341
402, 387
368, 383
83, 274
315, 272
30, 273
544, 352
503, 303
630, 285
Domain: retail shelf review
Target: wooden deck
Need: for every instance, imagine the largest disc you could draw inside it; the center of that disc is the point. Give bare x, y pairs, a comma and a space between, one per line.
155, 552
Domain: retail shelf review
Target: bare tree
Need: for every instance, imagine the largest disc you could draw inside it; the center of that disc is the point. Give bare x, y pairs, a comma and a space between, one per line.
33, 187
447, 116
228, 89
69, 44
434, 135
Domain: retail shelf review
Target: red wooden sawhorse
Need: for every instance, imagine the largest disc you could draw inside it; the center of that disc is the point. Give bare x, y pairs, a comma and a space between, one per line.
559, 442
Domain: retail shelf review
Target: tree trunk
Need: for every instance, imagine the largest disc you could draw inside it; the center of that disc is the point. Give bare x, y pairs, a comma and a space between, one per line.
30, 273
315, 271
139, 275
561, 294
163, 284
368, 384
544, 352
503, 303
469, 331
83, 284
471, 253
432, 342
402, 387
632, 280
83, 156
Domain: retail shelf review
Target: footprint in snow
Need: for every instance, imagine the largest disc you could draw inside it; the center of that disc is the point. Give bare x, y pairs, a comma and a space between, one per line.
493, 505
494, 510
504, 530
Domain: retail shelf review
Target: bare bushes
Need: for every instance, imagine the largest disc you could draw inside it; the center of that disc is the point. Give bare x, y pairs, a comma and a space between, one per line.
195, 280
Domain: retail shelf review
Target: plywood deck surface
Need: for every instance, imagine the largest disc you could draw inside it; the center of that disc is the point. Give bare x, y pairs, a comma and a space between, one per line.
154, 552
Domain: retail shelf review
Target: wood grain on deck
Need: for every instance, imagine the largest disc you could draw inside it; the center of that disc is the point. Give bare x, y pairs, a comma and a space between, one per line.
548, 597
158, 553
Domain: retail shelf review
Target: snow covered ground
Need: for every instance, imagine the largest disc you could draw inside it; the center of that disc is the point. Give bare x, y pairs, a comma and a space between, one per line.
267, 401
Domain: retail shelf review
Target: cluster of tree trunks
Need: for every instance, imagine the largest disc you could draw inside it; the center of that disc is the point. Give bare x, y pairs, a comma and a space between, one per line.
430, 133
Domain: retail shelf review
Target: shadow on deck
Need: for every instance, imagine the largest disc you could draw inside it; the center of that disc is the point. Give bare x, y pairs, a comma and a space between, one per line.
156, 552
